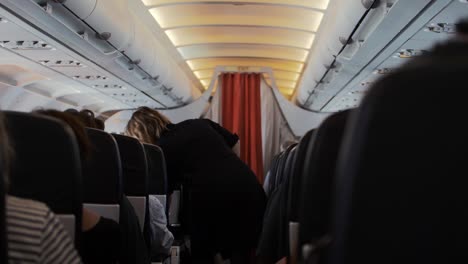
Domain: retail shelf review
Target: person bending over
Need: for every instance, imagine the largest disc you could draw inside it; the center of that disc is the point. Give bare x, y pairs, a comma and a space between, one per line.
227, 201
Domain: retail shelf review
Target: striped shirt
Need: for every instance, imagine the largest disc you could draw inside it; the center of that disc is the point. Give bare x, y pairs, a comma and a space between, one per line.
35, 235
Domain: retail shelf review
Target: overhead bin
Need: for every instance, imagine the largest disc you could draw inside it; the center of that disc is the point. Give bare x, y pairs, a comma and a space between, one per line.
142, 48
111, 19
111, 35
161, 69
338, 31
81, 8
334, 35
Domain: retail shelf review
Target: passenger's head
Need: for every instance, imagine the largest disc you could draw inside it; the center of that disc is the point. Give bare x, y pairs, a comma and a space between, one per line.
6, 151
462, 29
99, 124
85, 116
286, 144
77, 127
147, 125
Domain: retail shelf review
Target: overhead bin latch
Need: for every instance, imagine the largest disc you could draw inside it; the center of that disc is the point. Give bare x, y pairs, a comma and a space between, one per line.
368, 4
449, 28
135, 62
345, 41
103, 36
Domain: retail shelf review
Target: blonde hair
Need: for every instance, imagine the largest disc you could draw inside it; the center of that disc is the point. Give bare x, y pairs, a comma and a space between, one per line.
147, 125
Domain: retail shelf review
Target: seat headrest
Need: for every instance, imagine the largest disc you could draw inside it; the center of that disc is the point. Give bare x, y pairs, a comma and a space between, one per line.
318, 177
288, 165
3, 237
156, 170
46, 165
402, 172
285, 160
134, 166
296, 177
102, 172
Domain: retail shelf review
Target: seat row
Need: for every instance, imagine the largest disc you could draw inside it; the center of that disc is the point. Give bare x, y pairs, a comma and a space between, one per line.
47, 167
383, 183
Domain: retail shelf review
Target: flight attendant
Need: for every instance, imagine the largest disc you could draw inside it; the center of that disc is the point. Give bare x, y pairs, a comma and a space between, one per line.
227, 201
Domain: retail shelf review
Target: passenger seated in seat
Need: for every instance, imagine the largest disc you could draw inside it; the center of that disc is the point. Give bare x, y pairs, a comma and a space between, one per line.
161, 237
227, 201
86, 117
99, 124
101, 236
462, 30
34, 233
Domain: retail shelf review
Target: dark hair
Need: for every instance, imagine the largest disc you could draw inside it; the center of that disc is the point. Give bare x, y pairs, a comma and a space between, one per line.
99, 124
77, 127
88, 118
85, 116
462, 27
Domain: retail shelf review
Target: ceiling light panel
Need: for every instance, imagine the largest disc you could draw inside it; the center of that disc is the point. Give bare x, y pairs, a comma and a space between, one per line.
241, 34
283, 83
242, 50
204, 74
284, 75
317, 4
209, 63
254, 34
227, 14
286, 91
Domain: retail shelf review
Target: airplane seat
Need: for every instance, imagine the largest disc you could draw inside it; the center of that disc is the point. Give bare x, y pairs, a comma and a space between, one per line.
134, 174
104, 195
280, 173
157, 180
47, 167
274, 241
267, 185
275, 170
102, 176
401, 185
3, 237
295, 187
317, 180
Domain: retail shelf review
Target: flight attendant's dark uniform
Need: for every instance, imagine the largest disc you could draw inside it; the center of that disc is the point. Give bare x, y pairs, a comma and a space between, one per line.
226, 200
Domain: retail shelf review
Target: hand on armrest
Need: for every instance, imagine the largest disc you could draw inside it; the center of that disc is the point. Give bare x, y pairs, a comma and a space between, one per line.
236, 148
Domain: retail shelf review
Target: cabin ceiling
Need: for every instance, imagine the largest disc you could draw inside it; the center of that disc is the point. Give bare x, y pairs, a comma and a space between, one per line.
253, 34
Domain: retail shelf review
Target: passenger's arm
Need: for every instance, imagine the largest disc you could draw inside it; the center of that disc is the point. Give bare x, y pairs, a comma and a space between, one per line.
236, 148
88, 220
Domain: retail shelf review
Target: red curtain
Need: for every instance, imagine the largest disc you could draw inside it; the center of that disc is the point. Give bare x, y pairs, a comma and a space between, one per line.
241, 114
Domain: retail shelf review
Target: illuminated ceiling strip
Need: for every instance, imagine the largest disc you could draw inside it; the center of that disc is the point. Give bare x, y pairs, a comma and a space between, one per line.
240, 25
303, 20
244, 43
241, 35
175, 3
229, 66
280, 80
214, 58
250, 64
190, 53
